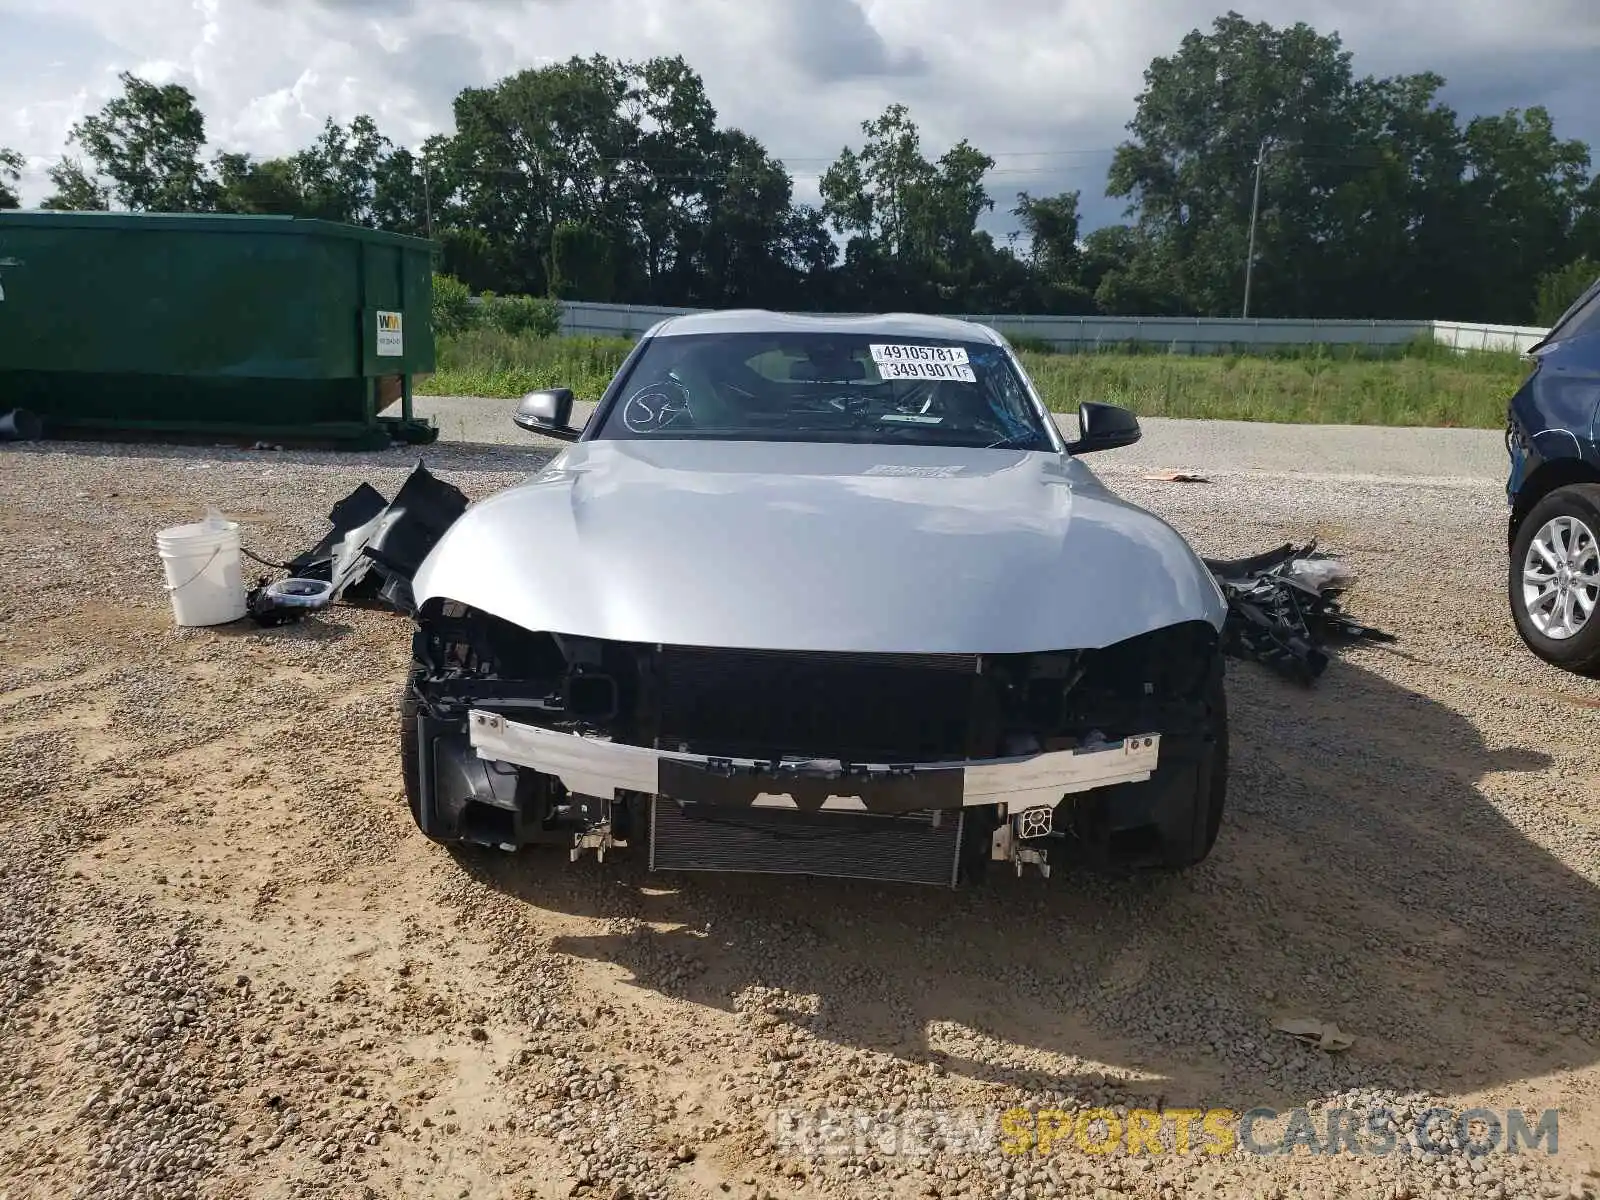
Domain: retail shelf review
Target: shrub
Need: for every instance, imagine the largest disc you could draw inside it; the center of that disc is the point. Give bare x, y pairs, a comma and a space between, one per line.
516, 315
1560, 289
453, 310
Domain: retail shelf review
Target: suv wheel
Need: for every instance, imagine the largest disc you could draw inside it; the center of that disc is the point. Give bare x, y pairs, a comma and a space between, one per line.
1554, 579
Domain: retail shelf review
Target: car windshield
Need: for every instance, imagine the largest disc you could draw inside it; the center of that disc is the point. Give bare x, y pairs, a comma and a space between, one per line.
826, 387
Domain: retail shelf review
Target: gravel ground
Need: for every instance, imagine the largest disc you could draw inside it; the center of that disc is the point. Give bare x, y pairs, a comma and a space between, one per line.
234, 970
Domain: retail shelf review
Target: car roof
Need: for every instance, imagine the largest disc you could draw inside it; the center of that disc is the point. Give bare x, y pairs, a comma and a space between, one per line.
758, 320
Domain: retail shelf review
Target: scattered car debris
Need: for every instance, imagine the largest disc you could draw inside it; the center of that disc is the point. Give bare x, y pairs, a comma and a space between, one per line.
1283, 608
368, 556
287, 600
1324, 1035
376, 545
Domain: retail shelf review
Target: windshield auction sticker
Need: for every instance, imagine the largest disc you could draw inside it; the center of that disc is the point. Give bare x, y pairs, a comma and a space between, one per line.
926, 370
899, 361
901, 353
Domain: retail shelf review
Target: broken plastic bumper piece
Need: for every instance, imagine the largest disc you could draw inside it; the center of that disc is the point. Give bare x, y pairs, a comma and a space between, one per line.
590, 766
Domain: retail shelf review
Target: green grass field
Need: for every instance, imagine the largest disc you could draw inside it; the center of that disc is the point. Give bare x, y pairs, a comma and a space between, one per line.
1420, 385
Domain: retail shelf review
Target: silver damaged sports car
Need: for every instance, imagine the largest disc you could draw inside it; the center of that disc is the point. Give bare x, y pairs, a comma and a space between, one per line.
820, 595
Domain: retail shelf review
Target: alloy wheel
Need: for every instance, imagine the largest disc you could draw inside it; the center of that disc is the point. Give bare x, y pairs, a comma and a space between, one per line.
1561, 577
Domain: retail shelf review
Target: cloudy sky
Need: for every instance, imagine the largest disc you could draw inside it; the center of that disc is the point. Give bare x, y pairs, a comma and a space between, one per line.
1045, 86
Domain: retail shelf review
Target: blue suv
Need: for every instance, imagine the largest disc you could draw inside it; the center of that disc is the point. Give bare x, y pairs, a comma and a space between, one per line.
1554, 490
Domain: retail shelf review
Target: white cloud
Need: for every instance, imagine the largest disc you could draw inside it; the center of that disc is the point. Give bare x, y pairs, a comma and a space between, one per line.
1044, 85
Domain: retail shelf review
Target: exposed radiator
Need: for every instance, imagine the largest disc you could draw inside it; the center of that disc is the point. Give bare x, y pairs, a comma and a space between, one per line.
908, 849
867, 707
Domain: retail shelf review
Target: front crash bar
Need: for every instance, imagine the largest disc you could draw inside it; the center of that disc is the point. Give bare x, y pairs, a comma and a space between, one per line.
595, 767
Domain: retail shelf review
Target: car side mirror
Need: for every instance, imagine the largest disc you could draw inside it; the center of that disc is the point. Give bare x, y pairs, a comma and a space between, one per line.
1103, 427
549, 412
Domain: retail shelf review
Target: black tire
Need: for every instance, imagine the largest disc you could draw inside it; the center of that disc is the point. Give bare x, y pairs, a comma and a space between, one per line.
1185, 796
1202, 769
1579, 653
410, 758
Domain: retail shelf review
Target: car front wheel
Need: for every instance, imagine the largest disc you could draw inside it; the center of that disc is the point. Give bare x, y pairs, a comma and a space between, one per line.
1168, 822
1554, 579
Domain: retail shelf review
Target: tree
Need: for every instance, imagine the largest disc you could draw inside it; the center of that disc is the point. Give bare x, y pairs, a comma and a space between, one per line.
951, 207
812, 256
1375, 202
1586, 221
1104, 250
542, 147
678, 165
1350, 171
1055, 256
1524, 188
1200, 122
338, 174
468, 255
147, 142
11, 164
581, 267
742, 255
76, 188
401, 200
1127, 275
1050, 223
1389, 242
603, 179
247, 186
910, 223
1559, 289
877, 194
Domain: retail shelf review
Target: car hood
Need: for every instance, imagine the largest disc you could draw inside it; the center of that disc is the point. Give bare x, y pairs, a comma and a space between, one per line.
820, 546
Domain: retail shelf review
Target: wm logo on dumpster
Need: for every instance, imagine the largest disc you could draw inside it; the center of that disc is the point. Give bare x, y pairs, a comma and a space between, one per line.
391, 338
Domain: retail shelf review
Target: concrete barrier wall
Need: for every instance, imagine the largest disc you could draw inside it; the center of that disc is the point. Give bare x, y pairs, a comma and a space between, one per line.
1178, 335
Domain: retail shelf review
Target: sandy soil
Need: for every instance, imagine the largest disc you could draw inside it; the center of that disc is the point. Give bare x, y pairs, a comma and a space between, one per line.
231, 967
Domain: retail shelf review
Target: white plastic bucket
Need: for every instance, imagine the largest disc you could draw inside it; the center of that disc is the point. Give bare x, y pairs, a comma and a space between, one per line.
204, 576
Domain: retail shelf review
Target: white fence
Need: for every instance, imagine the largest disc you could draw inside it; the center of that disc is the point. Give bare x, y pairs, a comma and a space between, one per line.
1486, 337
1178, 335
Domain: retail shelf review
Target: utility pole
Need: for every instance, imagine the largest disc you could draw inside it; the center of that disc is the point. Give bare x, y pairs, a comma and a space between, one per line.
427, 198
1255, 209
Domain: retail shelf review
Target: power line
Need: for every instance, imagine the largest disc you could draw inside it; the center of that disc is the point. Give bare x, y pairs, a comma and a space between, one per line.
661, 168
1357, 155
667, 160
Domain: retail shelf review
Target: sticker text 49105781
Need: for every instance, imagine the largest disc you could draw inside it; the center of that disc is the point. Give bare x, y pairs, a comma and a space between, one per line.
897, 352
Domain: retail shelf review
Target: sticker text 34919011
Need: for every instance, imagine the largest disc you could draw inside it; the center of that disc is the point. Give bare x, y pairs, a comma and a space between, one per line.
927, 370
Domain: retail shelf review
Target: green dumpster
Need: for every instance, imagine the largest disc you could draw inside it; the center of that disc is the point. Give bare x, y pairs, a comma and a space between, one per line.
250, 327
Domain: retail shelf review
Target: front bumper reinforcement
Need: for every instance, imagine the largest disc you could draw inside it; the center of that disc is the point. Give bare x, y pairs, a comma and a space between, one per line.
590, 766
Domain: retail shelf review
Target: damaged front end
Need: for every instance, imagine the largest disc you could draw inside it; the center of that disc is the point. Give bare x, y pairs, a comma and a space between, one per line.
925, 768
